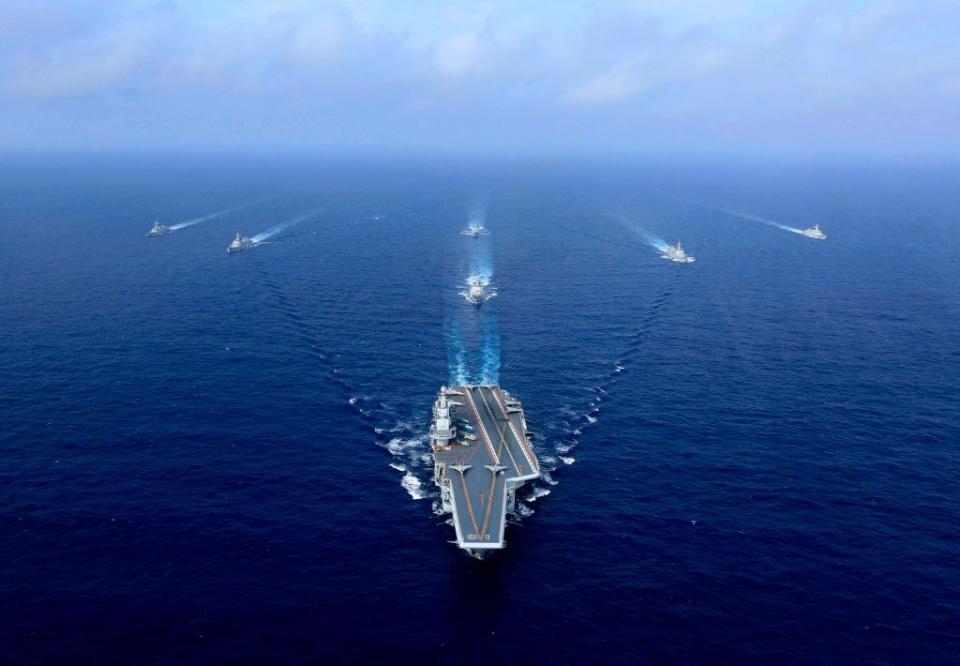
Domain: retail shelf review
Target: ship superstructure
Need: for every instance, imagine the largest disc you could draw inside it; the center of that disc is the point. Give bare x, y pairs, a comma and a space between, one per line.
482, 454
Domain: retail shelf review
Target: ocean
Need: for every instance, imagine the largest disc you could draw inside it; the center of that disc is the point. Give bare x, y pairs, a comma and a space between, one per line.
213, 457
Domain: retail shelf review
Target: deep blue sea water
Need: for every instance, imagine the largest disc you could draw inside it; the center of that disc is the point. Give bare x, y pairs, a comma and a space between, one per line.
209, 458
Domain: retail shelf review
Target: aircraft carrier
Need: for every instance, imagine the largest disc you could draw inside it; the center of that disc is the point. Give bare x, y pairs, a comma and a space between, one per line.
482, 454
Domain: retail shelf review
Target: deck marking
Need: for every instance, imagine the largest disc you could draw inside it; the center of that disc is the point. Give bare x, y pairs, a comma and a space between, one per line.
466, 496
492, 416
525, 447
486, 518
483, 428
493, 481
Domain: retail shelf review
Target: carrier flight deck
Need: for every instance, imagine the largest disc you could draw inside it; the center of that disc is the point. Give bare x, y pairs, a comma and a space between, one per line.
482, 454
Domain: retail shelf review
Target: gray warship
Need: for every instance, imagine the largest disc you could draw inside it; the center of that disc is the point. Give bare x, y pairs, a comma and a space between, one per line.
241, 243
159, 230
482, 454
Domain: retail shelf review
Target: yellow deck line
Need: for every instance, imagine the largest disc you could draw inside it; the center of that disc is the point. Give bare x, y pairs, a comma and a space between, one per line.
466, 496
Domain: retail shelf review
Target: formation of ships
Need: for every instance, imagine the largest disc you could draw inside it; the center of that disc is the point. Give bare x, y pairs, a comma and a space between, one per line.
478, 436
476, 290
239, 244
677, 254
481, 449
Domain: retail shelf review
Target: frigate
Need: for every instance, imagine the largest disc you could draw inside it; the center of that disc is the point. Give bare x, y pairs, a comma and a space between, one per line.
159, 230
475, 229
677, 254
814, 232
482, 455
241, 243
476, 292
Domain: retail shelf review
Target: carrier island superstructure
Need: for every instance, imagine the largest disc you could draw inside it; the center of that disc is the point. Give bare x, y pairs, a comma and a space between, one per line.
482, 454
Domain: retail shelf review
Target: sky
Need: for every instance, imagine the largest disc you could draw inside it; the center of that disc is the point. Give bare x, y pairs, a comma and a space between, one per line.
530, 76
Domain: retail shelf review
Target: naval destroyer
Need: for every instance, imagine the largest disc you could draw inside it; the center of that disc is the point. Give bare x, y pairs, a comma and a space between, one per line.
481, 454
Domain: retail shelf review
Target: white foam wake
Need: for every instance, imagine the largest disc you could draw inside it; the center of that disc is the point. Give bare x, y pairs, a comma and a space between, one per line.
411, 456
414, 486
650, 239
536, 493
763, 220
456, 355
204, 218
283, 226
490, 353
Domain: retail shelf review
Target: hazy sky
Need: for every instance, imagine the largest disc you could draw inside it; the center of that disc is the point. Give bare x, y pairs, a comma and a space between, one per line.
820, 77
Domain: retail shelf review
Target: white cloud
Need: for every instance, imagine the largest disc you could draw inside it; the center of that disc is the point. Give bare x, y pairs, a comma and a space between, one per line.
951, 86
705, 63
489, 68
611, 86
323, 34
83, 66
458, 55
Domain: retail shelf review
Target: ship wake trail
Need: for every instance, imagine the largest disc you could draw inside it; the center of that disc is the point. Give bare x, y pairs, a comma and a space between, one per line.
638, 338
283, 226
478, 213
367, 410
204, 218
650, 239
490, 352
482, 266
563, 436
456, 355
655, 242
586, 234
763, 220
407, 440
